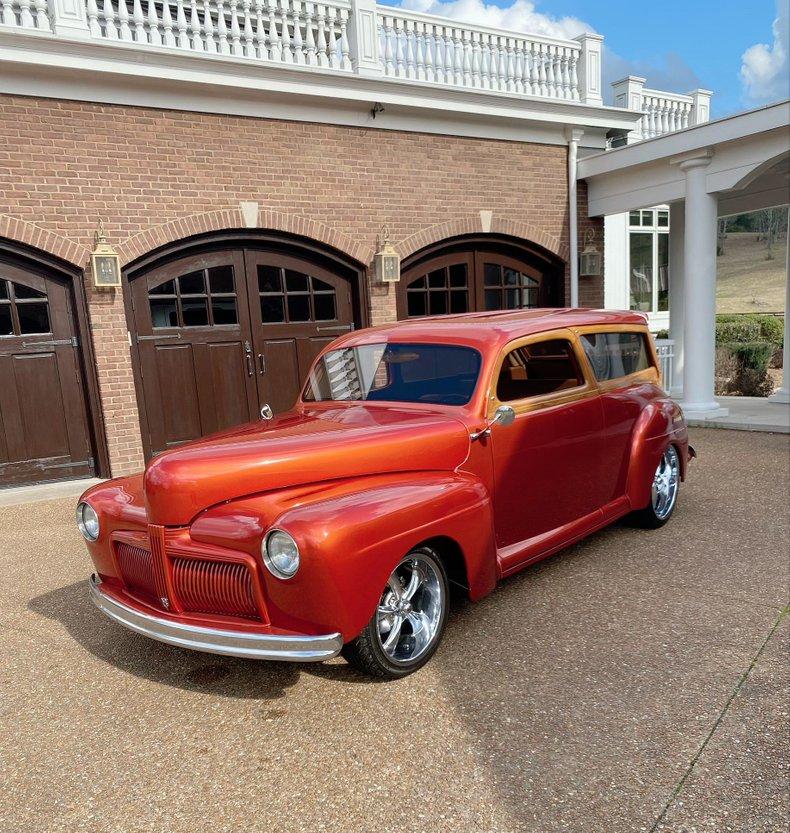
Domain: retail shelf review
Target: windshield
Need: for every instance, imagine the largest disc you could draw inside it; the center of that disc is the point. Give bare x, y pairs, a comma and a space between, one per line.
437, 373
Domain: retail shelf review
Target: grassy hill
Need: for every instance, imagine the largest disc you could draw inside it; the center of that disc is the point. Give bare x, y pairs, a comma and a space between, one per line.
746, 281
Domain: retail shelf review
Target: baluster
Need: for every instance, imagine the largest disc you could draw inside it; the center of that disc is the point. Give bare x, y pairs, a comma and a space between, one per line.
25, 18
419, 50
152, 16
181, 25
476, 81
332, 44
9, 15
510, 69
42, 21
400, 62
285, 35
664, 117
534, 74
389, 63
261, 50
310, 49
139, 22
436, 51
574, 75
235, 29
501, 63
298, 42
222, 30
485, 60
563, 80
345, 44
684, 116
543, 77
323, 60
466, 57
123, 19
91, 9
409, 44
208, 28
429, 43
551, 81
167, 24
458, 58
275, 47
247, 32
518, 70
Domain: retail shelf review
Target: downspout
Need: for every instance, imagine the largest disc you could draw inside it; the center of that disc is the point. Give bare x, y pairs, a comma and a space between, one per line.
573, 135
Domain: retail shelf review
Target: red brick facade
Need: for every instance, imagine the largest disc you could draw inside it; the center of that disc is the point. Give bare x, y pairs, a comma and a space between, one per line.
156, 176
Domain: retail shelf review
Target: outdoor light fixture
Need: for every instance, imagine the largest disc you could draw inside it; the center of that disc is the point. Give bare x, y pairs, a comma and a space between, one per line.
386, 260
590, 260
105, 263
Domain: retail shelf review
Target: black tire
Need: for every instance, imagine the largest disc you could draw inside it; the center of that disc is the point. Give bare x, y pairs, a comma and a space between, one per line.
366, 653
655, 515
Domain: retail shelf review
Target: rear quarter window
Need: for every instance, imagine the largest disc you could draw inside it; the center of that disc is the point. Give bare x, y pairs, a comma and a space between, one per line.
613, 355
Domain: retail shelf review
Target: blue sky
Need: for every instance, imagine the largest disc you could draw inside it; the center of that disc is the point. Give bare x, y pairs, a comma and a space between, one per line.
737, 48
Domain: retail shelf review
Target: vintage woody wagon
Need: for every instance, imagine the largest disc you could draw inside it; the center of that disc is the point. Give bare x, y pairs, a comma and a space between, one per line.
444, 450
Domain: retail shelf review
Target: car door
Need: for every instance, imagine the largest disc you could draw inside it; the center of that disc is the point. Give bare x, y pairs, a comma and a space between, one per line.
547, 462
625, 367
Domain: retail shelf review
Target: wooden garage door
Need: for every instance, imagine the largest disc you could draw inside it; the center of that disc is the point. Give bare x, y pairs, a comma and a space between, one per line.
223, 333
44, 428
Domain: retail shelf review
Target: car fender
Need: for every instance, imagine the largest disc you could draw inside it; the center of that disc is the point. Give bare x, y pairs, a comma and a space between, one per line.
659, 424
350, 544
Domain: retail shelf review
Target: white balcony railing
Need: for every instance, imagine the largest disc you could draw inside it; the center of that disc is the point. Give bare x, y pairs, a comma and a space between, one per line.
356, 36
427, 48
665, 348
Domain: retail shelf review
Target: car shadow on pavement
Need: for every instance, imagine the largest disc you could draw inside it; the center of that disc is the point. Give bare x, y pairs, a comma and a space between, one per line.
155, 661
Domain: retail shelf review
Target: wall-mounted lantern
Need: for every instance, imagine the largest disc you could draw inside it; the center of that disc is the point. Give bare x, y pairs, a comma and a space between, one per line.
386, 260
590, 259
105, 263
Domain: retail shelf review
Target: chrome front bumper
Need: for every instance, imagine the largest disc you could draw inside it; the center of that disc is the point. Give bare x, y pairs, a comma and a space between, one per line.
214, 641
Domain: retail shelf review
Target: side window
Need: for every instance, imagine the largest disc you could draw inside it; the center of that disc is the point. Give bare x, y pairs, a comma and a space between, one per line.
613, 355
536, 369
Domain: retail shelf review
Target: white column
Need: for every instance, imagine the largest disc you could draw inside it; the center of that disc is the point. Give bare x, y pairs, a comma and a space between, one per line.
627, 93
783, 394
677, 222
699, 297
573, 220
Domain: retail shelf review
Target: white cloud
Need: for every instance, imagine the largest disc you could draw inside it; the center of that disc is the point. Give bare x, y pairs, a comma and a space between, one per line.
668, 72
520, 16
765, 73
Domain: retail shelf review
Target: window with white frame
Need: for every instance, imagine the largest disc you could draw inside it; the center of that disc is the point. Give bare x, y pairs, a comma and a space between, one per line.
648, 259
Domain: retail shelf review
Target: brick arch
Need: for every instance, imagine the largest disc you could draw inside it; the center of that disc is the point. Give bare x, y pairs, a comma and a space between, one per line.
21, 231
473, 225
232, 219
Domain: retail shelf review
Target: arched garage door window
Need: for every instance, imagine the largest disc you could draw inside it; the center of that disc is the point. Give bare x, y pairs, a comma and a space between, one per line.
479, 273
220, 329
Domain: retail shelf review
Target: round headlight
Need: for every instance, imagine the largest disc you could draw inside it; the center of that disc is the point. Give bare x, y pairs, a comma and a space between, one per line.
87, 521
280, 554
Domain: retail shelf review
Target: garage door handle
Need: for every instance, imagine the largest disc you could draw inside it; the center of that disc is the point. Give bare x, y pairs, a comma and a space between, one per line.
262, 363
248, 357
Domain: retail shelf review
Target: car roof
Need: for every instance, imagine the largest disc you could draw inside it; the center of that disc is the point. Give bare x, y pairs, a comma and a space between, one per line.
489, 329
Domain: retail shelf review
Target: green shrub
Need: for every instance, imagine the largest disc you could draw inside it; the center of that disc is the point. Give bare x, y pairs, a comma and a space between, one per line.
750, 372
731, 332
662, 334
751, 326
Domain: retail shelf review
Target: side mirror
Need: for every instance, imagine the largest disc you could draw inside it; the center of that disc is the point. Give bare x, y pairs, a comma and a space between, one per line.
504, 416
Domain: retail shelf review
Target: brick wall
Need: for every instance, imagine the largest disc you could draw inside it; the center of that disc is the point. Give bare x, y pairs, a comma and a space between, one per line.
152, 175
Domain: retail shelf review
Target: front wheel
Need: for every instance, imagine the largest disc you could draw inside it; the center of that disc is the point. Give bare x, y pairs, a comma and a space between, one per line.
663, 491
408, 624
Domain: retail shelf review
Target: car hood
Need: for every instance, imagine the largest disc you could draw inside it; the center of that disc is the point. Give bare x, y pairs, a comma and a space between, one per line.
308, 445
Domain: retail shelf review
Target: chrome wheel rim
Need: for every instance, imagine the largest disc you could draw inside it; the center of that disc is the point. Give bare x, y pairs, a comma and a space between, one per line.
410, 609
665, 483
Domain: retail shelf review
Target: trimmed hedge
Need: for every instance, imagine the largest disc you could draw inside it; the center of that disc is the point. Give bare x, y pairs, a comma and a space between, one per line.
753, 326
751, 358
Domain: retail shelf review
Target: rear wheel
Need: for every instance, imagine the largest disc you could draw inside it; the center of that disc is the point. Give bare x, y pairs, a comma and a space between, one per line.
663, 491
409, 621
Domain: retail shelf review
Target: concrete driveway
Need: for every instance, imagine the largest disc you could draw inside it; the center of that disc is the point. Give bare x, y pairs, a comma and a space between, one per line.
636, 682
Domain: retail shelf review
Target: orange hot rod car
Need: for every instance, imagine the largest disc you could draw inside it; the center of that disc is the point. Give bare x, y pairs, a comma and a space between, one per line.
440, 450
